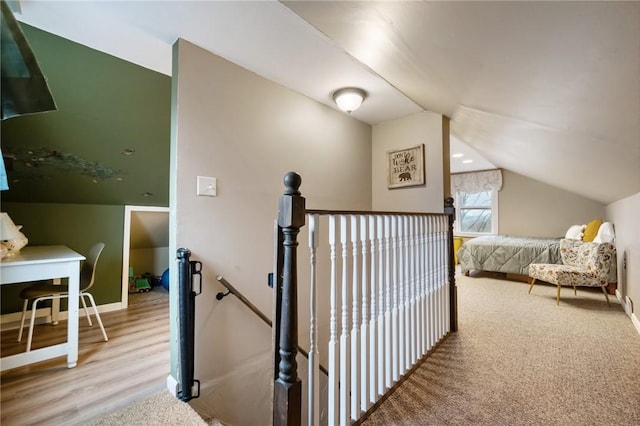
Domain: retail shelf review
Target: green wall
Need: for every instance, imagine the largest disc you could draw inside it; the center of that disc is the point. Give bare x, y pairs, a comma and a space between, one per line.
108, 142
77, 226
72, 171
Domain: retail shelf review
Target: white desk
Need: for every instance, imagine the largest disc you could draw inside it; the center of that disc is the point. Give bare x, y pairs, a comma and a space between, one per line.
35, 263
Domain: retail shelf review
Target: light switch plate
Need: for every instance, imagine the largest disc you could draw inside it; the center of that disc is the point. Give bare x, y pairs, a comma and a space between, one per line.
207, 186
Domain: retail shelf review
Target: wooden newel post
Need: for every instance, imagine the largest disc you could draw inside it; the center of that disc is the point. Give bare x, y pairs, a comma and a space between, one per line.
450, 211
287, 395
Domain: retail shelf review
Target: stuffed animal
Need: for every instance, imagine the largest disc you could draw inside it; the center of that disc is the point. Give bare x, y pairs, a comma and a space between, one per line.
14, 245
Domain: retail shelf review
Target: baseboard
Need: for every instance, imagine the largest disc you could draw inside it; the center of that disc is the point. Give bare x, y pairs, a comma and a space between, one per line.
634, 318
172, 385
620, 299
12, 321
636, 322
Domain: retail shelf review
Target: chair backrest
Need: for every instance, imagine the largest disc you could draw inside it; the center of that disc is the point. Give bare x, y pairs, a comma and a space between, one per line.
88, 271
594, 257
600, 261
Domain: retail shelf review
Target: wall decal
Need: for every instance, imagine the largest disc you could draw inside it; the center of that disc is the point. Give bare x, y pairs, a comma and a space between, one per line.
43, 158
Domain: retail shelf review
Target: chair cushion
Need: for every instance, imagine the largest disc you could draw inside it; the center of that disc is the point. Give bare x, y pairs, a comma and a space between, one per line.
565, 275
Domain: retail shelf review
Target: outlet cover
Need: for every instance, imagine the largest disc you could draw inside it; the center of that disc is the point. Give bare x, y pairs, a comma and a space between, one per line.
206, 186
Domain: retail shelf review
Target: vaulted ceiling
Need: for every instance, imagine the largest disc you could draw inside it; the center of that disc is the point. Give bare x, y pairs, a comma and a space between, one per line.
549, 90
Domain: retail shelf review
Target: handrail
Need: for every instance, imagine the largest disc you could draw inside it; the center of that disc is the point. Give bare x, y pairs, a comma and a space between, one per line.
369, 212
243, 299
222, 280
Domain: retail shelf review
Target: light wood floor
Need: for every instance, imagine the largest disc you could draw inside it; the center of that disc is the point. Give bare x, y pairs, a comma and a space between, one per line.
132, 365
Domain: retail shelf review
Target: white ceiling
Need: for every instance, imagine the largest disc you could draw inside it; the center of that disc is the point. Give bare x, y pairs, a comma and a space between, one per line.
550, 90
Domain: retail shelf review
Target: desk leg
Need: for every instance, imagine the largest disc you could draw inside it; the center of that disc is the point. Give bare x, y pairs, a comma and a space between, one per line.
72, 322
55, 306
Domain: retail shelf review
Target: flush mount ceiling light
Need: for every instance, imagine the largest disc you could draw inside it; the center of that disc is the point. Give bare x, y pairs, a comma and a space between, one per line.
349, 99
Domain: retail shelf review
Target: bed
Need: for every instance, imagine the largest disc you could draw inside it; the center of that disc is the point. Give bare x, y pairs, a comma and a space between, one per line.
512, 255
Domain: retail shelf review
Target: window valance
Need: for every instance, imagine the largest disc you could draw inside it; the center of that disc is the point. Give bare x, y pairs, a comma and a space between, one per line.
472, 182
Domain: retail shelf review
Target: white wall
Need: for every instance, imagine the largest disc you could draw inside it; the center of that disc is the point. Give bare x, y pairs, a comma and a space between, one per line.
624, 215
422, 128
248, 132
152, 260
534, 209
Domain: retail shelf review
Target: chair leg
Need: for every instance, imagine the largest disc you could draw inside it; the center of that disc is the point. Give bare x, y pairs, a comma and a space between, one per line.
533, 281
24, 314
32, 323
558, 295
604, 290
95, 311
86, 312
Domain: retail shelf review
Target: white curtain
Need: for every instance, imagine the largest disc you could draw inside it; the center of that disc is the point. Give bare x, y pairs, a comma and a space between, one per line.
472, 182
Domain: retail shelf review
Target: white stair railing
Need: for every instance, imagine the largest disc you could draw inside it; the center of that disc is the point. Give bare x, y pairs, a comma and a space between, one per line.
388, 292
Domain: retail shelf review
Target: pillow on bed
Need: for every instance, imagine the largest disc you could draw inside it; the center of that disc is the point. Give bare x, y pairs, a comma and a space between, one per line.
591, 230
606, 233
575, 232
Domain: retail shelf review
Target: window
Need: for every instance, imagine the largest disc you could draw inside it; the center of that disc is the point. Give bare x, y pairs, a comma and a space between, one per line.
476, 212
476, 201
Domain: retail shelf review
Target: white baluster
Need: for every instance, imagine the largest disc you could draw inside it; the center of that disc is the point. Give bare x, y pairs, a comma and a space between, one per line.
373, 365
445, 293
387, 305
421, 327
423, 284
355, 323
345, 372
394, 307
401, 301
440, 283
364, 328
407, 293
381, 331
447, 318
313, 418
433, 314
334, 370
437, 281
412, 289
416, 284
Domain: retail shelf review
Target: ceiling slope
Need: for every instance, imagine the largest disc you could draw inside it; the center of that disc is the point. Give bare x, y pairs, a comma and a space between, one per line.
550, 90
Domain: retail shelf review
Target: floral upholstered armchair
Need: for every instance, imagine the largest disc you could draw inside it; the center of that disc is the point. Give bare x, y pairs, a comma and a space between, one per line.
583, 264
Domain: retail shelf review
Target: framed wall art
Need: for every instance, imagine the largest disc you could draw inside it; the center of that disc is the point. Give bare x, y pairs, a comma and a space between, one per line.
406, 167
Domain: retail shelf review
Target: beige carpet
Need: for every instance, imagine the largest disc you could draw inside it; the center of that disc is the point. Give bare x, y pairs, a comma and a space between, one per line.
519, 359
160, 409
